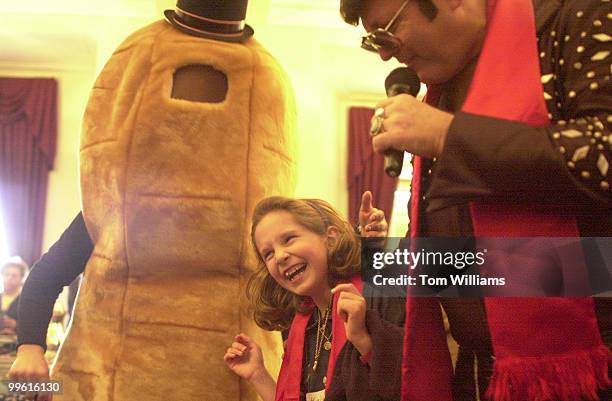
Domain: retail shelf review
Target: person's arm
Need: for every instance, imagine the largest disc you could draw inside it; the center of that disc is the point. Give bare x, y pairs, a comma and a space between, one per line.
373, 363
567, 162
264, 385
64, 261
376, 375
58, 267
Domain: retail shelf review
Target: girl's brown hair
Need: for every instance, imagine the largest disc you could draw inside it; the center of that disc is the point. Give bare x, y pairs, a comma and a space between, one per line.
274, 306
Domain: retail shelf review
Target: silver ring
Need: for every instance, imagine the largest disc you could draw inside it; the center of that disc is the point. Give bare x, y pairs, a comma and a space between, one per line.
377, 126
377, 123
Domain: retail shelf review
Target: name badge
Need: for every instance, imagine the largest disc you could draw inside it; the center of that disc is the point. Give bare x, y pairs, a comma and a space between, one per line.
316, 396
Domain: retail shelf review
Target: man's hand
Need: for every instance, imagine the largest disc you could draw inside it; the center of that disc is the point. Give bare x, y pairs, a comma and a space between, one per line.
412, 126
31, 366
371, 220
352, 310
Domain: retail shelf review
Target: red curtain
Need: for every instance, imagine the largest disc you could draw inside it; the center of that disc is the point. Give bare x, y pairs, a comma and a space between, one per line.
366, 167
28, 132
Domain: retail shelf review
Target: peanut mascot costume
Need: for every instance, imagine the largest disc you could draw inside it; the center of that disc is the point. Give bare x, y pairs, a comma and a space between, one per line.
190, 123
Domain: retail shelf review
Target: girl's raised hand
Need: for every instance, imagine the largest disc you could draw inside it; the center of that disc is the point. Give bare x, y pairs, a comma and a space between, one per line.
352, 310
244, 357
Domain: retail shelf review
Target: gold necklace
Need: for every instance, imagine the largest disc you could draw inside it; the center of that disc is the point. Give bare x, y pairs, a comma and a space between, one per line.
320, 336
327, 342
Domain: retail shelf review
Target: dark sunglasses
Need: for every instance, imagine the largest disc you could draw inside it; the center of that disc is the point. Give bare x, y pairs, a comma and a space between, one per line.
383, 38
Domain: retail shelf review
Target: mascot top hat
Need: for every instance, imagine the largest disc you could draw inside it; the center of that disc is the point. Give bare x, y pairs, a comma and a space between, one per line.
219, 19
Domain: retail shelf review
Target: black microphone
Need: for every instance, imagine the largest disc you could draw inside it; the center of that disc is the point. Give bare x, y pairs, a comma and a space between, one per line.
400, 80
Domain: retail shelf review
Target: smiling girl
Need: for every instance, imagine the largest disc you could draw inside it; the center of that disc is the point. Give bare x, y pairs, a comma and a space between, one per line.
308, 281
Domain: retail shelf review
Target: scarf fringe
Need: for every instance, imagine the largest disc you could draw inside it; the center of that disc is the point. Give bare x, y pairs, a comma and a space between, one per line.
571, 377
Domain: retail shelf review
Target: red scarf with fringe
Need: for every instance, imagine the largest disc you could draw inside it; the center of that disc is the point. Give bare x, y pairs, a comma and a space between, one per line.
545, 348
290, 375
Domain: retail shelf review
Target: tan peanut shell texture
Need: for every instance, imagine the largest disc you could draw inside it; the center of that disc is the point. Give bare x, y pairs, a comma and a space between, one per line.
168, 188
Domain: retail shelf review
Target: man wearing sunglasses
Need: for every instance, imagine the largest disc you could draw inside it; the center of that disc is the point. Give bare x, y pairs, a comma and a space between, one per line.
512, 141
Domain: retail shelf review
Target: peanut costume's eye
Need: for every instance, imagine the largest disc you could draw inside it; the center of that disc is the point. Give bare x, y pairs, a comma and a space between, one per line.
199, 83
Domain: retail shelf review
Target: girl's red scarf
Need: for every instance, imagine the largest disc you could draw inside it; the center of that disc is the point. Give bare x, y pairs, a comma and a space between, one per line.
290, 376
545, 348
